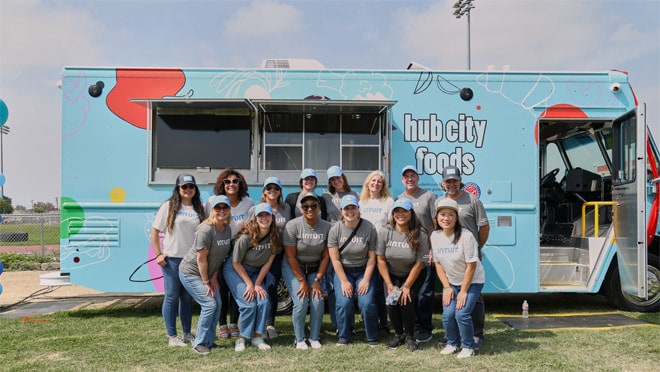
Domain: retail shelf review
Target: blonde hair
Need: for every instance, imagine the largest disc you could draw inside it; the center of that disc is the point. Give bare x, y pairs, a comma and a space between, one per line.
384, 193
212, 219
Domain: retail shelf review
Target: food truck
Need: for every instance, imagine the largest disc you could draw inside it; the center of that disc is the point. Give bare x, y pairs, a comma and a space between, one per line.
563, 162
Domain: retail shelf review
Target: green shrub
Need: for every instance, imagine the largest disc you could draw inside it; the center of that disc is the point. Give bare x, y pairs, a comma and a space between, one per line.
19, 261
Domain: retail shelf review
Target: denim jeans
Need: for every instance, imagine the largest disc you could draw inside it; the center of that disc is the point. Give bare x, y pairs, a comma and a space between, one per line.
176, 301
424, 305
276, 271
379, 296
253, 314
366, 303
458, 323
330, 288
300, 306
210, 308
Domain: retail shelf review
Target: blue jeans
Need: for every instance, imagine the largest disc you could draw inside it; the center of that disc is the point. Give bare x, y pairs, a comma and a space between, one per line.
366, 303
252, 315
210, 308
380, 300
458, 323
276, 271
177, 301
300, 306
424, 304
329, 287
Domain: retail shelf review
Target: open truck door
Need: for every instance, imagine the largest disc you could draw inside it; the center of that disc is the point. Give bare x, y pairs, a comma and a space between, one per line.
629, 197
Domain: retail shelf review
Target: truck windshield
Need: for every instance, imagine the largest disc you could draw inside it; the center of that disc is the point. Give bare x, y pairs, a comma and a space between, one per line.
583, 151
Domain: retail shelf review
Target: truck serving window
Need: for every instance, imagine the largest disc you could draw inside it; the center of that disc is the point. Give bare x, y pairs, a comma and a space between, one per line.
189, 137
317, 134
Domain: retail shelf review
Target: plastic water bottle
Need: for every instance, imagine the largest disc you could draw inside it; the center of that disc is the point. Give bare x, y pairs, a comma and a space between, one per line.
525, 309
393, 297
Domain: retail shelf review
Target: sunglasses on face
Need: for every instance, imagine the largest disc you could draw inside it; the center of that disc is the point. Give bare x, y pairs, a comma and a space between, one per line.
187, 186
272, 187
309, 206
221, 207
229, 182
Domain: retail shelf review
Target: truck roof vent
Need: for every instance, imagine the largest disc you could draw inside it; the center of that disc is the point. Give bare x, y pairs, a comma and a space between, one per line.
292, 64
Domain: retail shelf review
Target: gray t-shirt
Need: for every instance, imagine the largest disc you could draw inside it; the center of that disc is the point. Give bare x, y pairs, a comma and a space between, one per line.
400, 257
455, 257
246, 253
356, 252
376, 211
238, 213
424, 204
215, 241
471, 213
333, 204
308, 240
178, 241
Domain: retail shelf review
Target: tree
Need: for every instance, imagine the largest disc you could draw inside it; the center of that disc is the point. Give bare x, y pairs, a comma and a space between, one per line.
41, 207
6, 207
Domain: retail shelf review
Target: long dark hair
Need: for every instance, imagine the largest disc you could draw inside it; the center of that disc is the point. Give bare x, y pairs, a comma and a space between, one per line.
458, 230
219, 188
175, 205
347, 187
414, 226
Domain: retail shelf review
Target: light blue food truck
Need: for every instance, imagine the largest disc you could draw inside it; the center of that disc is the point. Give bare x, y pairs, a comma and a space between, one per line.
563, 162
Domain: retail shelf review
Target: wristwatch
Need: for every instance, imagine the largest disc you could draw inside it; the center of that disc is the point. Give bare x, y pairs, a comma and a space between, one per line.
317, 280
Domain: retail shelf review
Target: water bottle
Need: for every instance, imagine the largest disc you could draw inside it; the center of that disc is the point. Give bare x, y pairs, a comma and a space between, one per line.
525, 309
393, 297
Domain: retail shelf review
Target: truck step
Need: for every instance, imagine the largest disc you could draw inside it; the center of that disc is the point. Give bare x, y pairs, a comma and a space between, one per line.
563, 273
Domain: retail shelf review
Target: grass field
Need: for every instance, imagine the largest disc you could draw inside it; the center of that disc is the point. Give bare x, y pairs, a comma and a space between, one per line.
125, 338
51, 234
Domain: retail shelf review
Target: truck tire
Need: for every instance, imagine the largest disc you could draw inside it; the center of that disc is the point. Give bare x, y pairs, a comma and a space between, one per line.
628, 302
284, 301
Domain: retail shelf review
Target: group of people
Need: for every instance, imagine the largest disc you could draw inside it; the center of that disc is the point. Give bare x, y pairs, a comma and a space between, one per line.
366, 252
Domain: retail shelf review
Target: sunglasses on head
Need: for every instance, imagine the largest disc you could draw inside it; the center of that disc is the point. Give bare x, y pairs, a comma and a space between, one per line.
187, 186
309, 206
229, 182
272, 187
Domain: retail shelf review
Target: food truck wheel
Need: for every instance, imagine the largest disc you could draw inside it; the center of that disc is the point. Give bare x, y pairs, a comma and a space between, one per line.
628, 302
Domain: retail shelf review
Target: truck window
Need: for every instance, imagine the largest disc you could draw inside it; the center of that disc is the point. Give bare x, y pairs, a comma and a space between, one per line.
583, 152
624, 161
293, 141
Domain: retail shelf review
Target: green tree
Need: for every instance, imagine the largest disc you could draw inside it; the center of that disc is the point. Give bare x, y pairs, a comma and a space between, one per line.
6, 207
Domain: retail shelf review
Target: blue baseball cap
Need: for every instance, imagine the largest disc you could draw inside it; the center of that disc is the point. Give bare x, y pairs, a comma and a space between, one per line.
274, 181
347, 200
219, 199
307, 172
404, 203
263, 207
407, 168
335, 171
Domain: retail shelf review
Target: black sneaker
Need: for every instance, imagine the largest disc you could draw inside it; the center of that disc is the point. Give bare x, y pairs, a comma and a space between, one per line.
412, 344
372, 343
397, 341
442, 342
201, 349
424, 336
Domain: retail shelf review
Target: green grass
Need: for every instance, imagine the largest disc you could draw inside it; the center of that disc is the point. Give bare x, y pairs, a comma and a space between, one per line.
51, 234
125, 338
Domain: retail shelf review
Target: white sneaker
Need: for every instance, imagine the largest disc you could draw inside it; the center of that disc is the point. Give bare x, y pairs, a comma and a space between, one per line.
465, 353
240, 345
449, 349
176, 341
315, 344
260, 344
302, 345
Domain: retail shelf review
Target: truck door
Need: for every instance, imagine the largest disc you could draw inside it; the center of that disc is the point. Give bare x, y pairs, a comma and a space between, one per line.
629, 196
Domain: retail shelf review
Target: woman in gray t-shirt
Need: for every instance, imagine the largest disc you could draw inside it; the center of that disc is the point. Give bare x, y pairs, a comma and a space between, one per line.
352, 248
199, 269
402, 250
247, 274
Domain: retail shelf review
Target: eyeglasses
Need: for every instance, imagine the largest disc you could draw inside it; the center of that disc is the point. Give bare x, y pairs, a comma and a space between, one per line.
187, 186
272, 187
309, 206
229, 182
221, 207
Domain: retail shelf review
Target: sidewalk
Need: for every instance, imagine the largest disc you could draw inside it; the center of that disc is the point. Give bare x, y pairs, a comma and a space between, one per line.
17, 285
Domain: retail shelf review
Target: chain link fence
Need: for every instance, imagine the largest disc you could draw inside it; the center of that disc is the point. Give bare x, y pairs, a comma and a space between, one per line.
30, 232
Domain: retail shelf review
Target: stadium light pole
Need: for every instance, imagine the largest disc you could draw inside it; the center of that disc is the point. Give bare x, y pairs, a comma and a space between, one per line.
461, 8
3, 131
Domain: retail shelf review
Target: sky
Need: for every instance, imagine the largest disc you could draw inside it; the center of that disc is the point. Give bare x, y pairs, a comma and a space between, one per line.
38, 38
